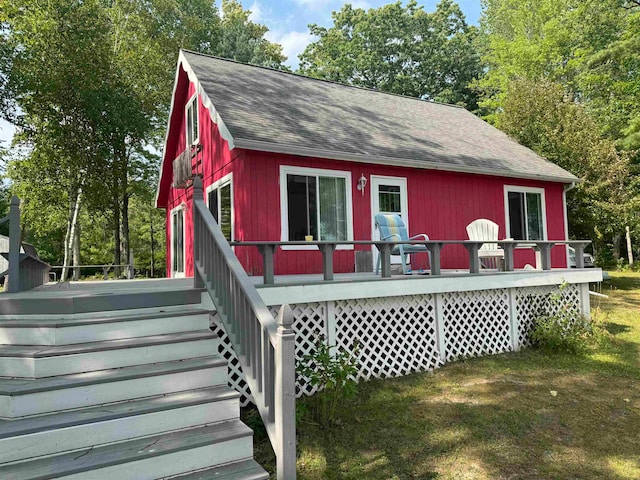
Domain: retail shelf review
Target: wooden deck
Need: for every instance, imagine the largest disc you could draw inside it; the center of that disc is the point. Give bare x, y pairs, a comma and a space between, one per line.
102, 287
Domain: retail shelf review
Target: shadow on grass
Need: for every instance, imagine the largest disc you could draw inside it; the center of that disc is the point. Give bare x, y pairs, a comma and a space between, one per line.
616, 328
467, 421
622, 282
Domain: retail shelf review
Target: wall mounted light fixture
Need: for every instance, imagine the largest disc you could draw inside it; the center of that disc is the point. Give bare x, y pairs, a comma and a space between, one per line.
362, 182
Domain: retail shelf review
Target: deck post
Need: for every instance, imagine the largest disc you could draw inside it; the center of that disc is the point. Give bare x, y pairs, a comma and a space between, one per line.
327, 250
197, 195
585, 302
267, 251
508, 248
285, 396
474, 259
545, 251
438, 300
513, 319
434, 250
385, 258
579, 251
14, 246
330, 313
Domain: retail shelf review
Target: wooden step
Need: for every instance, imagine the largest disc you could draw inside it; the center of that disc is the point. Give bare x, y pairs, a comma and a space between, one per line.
49, 361
149, 458
23, 397
245, 470
102, 302
77, 429
84, 328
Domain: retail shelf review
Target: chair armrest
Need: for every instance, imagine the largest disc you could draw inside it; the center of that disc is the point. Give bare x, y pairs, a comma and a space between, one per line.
424, 237
391, 236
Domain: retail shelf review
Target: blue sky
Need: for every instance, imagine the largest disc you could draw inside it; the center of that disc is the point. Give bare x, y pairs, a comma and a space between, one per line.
288, 19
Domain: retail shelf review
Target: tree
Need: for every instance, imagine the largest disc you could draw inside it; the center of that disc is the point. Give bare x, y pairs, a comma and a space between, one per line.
89, 84
398, 49
542, 116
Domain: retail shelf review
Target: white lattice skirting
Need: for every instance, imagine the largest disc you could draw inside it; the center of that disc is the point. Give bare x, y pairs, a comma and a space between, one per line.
404, 334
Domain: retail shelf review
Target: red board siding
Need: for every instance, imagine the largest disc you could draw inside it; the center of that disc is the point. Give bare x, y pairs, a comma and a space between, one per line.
440, 204
213, 162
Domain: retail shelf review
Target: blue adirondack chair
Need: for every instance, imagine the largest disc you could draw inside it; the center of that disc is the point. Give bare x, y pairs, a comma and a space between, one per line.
392, 228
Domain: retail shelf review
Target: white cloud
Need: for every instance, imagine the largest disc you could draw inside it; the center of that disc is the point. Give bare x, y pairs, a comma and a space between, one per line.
314, 4
360, 4
256, 12
293, 43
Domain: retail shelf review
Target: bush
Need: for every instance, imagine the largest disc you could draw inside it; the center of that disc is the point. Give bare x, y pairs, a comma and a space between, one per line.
334, 374
563, 329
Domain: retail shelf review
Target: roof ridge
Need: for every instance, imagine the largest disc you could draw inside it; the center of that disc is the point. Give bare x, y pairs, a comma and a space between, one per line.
334, 82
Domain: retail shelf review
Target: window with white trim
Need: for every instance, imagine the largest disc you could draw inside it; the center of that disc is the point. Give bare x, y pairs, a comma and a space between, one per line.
220, 201
317, 204
192, 121
525, 213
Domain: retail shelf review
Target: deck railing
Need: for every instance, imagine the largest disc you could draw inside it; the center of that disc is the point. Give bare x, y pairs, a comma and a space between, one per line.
268, 249
264, 345
14, 244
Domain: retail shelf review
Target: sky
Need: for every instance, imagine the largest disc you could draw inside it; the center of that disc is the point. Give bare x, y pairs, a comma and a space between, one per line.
288, 20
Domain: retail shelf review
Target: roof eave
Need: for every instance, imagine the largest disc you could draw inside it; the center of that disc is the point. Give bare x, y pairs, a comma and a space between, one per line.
258, 145
206, 101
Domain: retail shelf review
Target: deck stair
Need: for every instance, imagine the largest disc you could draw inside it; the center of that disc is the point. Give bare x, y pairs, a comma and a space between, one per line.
125, 385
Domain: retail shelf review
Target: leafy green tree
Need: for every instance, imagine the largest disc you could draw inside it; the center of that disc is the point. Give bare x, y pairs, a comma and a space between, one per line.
243, 40
398, 49
89, 84
542, 116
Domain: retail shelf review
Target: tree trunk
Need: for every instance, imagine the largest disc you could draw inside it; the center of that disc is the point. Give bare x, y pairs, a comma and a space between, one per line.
76, 253
616, 246
116, 236
124, 234
74, 211
629, 251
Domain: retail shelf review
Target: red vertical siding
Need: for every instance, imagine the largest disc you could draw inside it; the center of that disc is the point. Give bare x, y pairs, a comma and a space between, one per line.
441, 204
213, 162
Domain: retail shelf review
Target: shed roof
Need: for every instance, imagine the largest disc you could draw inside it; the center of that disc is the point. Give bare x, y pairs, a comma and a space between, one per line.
269, 110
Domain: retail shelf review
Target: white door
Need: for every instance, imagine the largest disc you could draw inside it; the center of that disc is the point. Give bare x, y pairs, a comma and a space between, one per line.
177, 242
388, 195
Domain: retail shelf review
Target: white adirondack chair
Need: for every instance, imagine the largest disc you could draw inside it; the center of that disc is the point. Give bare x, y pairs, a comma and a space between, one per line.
490, 253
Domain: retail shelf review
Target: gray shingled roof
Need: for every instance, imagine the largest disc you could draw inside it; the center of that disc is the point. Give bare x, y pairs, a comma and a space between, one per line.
266, 109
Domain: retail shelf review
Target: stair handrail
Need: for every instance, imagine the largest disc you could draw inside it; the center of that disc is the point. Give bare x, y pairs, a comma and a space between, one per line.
14, 244
264, 345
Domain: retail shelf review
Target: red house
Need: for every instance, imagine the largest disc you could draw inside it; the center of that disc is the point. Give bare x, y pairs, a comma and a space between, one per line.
284, 157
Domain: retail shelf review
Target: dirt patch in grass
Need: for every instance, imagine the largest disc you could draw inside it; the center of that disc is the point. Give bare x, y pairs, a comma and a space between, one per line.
523, 415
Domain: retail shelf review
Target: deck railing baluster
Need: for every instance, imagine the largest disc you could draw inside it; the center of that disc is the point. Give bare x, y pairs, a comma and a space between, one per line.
252, 329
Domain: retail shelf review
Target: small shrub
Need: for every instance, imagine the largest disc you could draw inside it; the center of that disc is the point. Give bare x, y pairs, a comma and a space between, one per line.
564, 329
334, 374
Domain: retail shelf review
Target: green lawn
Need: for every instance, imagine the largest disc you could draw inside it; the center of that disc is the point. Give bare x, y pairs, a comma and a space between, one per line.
512, 416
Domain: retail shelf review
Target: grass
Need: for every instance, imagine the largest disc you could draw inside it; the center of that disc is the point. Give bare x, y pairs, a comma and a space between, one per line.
525, 415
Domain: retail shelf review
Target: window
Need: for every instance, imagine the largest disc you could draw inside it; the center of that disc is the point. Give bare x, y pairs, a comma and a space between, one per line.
315, 203
220, 201
192, 121
389, 199
177, 242
525, 213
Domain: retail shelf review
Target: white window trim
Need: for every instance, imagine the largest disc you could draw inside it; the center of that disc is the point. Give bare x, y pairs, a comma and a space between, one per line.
519, 189
284, 211
186, 121
221, 182
182, 207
